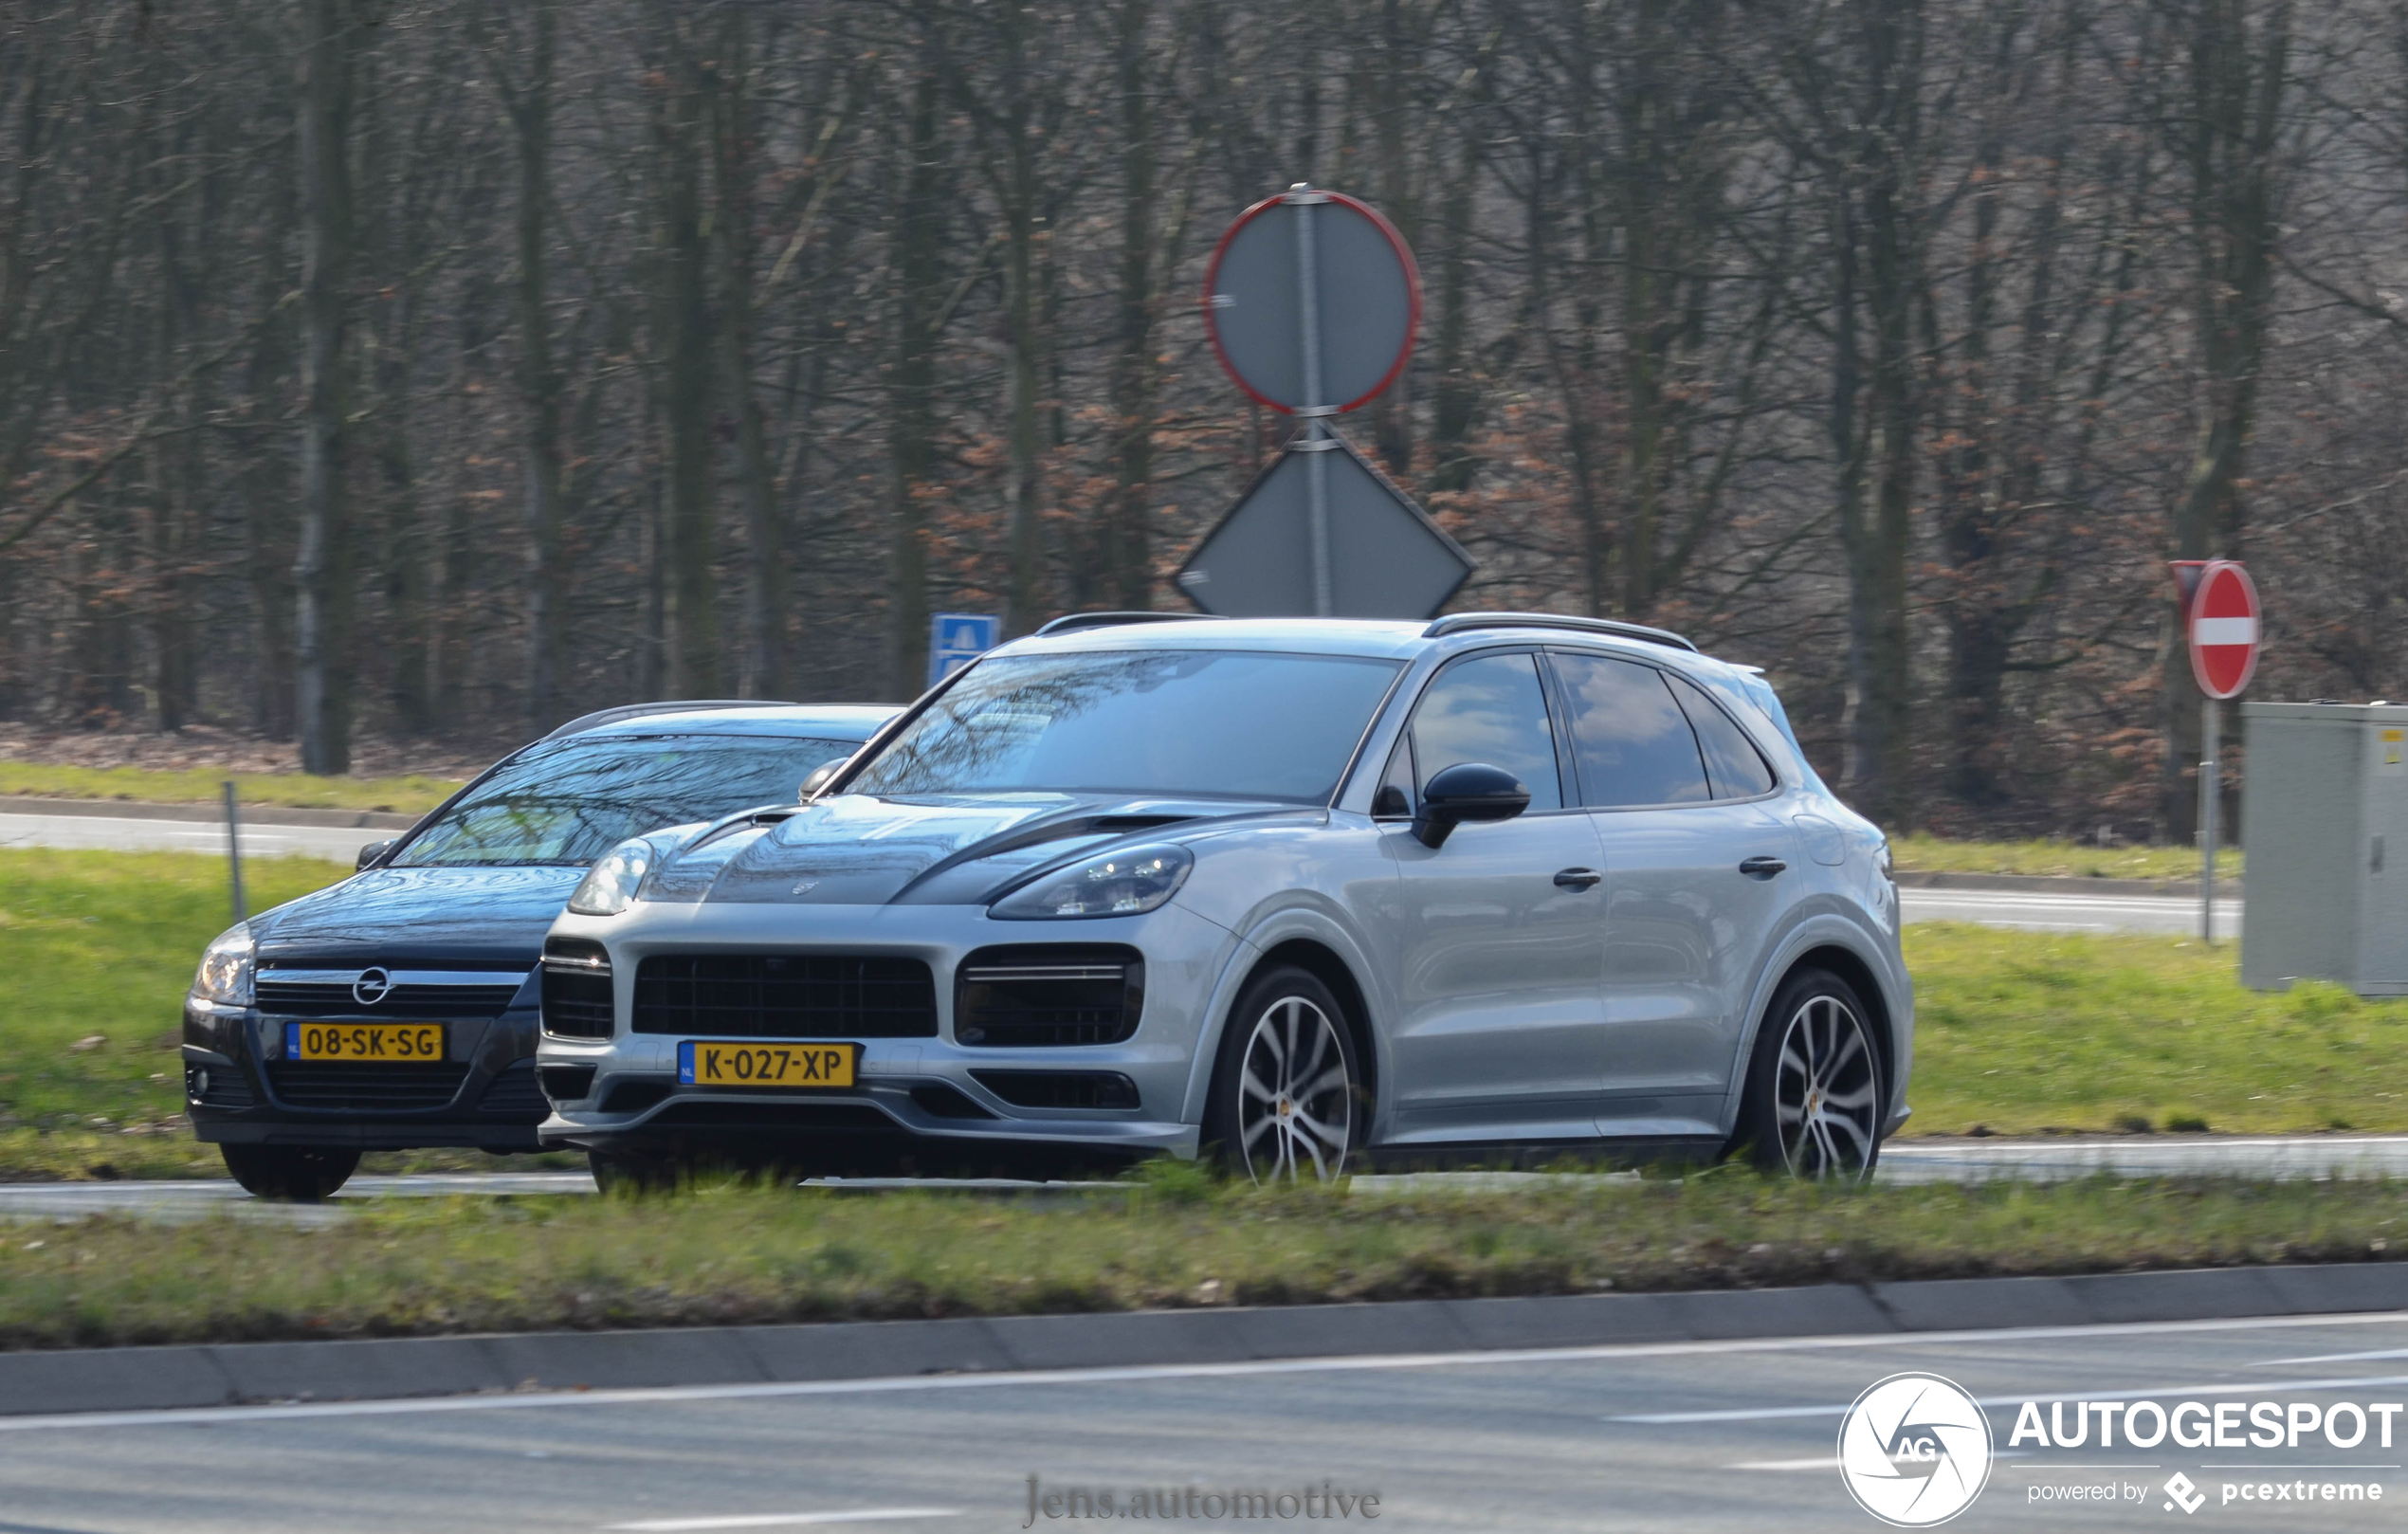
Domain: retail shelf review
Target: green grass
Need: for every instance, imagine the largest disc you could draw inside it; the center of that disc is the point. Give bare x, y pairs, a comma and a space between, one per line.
2025, 1031
102, 944
2055, 859
731, 1255
402, 796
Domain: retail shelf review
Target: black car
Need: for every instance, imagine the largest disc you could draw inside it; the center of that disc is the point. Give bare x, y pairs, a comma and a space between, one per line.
399, 1009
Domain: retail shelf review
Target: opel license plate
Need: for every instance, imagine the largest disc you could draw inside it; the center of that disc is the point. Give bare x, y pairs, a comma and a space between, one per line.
375, 1043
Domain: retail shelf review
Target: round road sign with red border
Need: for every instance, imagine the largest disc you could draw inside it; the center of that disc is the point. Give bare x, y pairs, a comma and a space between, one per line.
1369, 298
2224, 628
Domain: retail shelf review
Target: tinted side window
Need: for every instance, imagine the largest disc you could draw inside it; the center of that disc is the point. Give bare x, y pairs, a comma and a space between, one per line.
1490, 709
1632, 743
1731, 760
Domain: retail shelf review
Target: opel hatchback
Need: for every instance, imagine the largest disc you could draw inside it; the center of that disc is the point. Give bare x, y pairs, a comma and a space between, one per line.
1298, 893
397, 1008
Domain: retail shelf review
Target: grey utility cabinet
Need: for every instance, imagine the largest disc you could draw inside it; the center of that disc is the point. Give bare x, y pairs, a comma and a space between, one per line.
2325, 813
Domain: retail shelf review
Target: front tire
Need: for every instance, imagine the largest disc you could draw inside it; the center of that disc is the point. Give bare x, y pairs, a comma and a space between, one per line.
290, 1174
1814, 1098
1287, 1098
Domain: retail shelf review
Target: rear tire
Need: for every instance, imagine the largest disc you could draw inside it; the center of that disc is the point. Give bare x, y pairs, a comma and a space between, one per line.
1815, 1084
1287, 1103
290, 1174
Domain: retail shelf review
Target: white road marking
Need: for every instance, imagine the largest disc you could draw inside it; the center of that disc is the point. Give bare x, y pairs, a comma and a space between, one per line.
671, 1394
1768, 1413
855, 1515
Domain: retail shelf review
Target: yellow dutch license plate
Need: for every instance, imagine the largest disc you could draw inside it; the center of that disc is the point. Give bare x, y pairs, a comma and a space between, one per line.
750, 1062
379, 1044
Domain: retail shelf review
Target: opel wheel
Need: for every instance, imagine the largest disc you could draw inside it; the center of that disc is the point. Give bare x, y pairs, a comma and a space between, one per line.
293, 1174
1286, 1100
1813, 1104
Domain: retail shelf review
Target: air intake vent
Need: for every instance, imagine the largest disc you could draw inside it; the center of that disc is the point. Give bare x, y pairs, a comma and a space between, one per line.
513, 1095
940, 1101
785, 996
577, 1001
326, 1084
567, 1083
633, 1096
1059, 1088
1038, 994
460, 995
217, 1087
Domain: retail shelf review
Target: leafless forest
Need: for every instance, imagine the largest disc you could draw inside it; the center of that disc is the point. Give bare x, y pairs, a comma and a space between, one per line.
426, 366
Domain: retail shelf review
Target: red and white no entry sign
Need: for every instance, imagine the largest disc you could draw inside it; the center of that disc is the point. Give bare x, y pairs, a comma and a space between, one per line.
2224, 628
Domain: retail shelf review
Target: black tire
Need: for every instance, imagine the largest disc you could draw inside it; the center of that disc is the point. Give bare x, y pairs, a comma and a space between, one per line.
634, 1171
290, 1174
1273, 1117
1816, 1087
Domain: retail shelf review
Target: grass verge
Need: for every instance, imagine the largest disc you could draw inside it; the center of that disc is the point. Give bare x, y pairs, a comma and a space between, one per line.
2019, 1033
98, 949
2057, 860
202, 785
733, 1255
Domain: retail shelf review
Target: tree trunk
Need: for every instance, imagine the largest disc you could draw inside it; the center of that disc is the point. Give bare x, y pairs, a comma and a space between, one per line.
528, 102
1128, 556
763, 673
323, 564
684, 329
912, 386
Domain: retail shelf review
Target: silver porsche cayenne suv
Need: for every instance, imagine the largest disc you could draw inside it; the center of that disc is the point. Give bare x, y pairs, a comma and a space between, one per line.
1301, 894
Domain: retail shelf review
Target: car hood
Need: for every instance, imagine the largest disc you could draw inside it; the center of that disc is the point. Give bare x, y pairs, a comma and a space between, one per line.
855, 850
387, 915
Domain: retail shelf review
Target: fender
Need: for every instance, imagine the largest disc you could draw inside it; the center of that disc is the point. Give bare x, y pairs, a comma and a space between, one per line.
1266, 930
1829, 924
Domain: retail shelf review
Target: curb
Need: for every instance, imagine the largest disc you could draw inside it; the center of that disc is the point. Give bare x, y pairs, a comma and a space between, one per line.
143, 1378
253, 815
2034, 884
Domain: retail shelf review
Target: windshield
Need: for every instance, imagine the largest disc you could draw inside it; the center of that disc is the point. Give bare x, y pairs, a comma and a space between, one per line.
1187, 722
570, 801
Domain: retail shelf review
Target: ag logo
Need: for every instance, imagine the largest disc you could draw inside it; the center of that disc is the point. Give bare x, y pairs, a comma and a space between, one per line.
1914, 1451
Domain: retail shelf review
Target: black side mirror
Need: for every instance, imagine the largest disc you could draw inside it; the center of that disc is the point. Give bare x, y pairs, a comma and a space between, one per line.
819, 778
371, 853
1466, 791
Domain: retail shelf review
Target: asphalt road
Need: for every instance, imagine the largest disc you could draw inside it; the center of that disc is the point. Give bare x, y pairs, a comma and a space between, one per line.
1692, 1437
127, 834
2046, 912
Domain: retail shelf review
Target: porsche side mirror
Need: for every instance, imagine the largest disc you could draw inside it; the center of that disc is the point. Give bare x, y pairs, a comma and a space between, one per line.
1468, 791
371, 853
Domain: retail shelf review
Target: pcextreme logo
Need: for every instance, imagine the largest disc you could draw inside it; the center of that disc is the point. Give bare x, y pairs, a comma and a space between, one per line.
1914, 1449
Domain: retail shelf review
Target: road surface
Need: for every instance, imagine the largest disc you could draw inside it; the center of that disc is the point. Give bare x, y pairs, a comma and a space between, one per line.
2052, 912
1702, 1437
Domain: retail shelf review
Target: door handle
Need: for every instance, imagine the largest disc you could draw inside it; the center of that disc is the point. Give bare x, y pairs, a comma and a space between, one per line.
1761, 868
1577, 878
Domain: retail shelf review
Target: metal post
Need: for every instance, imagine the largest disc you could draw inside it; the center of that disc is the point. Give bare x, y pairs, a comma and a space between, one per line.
2211, 751
234, 853
1304, 198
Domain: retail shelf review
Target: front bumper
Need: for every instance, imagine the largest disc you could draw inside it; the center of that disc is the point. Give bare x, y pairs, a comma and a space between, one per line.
924, 1097
494, 1106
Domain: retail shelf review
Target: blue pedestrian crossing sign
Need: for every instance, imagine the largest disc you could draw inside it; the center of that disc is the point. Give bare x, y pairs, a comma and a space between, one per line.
956, 639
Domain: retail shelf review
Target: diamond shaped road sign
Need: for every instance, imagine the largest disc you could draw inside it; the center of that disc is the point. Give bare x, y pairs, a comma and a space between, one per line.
1387, 559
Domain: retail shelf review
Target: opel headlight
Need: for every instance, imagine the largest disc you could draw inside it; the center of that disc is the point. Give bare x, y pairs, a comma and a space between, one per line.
227, 967
609, 884
1118, 883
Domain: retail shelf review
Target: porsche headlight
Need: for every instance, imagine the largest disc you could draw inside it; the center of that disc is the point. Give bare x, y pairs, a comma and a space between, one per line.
1128, 883
227, 968
609, 884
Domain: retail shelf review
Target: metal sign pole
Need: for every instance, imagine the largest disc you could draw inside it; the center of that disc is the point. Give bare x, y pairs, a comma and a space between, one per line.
234, 853
1304, 199
2211, 749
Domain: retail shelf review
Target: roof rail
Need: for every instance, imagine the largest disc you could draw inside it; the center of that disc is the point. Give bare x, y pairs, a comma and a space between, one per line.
625, 711
1455, 623
1073, 622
